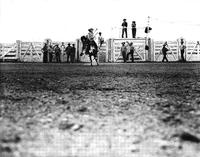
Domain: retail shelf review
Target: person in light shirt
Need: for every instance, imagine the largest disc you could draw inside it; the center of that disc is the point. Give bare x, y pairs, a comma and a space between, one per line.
91, 37
124, 51
131, 52
100, 40
182, 49
133, 25
90, 34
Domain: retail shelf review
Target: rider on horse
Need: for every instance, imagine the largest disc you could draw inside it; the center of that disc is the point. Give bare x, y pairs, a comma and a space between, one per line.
91, 37
88, 41
89, 45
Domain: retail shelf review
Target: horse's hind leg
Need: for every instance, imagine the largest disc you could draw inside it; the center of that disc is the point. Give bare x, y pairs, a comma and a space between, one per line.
96, 59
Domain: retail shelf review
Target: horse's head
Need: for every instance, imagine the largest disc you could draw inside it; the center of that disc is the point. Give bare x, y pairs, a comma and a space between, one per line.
83, 39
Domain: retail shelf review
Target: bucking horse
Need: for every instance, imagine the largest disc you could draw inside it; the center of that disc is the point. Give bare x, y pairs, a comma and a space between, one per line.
89, 48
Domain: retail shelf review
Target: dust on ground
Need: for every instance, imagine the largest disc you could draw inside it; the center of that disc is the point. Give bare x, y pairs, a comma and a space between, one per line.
111, 110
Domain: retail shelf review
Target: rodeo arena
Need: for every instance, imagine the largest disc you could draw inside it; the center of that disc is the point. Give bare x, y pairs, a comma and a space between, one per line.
127, 96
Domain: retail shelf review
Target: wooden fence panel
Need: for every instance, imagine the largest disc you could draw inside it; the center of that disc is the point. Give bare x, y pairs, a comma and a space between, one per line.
172, 55
192, 51
31, 52
139, 45
8, 51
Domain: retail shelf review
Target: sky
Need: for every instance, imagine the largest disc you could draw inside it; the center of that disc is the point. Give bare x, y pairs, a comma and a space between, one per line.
67, 20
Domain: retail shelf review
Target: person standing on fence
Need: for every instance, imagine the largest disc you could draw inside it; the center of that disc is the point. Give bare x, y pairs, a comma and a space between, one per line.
131, 52
182, 49
68, 52
57, 53
124, 28
73, 52
45, 53
100, 40
133, 25
164, 50
123, 51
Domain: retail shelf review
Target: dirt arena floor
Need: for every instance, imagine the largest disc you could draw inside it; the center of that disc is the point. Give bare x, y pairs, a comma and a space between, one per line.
111, 110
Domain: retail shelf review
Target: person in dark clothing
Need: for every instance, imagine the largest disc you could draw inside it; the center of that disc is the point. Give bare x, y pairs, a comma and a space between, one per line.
123, 51
45, 53
73, 53
57, 53
124, 28
133, 29
165, 48
182, 49
132, 49
68, 51
50, 52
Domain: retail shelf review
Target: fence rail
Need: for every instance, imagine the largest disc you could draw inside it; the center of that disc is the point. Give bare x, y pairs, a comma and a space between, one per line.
110, 51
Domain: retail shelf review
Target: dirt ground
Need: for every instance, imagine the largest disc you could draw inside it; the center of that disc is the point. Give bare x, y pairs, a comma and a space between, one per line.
111, 110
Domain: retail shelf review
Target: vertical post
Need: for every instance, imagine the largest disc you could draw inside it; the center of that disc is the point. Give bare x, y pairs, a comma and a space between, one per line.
77, 50
147, 40
112, 50
107, 49
186, 50
18, 42
178, 52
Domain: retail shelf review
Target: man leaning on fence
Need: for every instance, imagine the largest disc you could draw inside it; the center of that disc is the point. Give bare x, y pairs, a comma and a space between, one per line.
123, 51
131, 52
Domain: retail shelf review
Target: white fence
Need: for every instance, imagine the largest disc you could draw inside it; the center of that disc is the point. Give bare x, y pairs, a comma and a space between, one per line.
172, 54
110, 51
139, 55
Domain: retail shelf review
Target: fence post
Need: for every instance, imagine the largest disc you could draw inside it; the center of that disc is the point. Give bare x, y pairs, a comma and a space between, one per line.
152, 51
77, 50
18, 42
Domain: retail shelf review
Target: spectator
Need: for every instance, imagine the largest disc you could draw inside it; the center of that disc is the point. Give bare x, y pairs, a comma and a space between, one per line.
73, 52
57, 53
165, 48
123, 51
182, 49
133, 29
45, 53
100, 40
131, 52
68, 51
50, 52
62, 47
124, 28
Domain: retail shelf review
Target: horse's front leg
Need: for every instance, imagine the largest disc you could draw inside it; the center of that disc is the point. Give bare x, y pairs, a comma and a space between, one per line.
90, 59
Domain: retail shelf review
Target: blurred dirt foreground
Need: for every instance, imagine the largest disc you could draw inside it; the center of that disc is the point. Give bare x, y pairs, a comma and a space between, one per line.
111, 110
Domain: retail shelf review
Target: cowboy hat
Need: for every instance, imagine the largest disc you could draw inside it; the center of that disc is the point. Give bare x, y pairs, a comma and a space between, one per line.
91, 29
